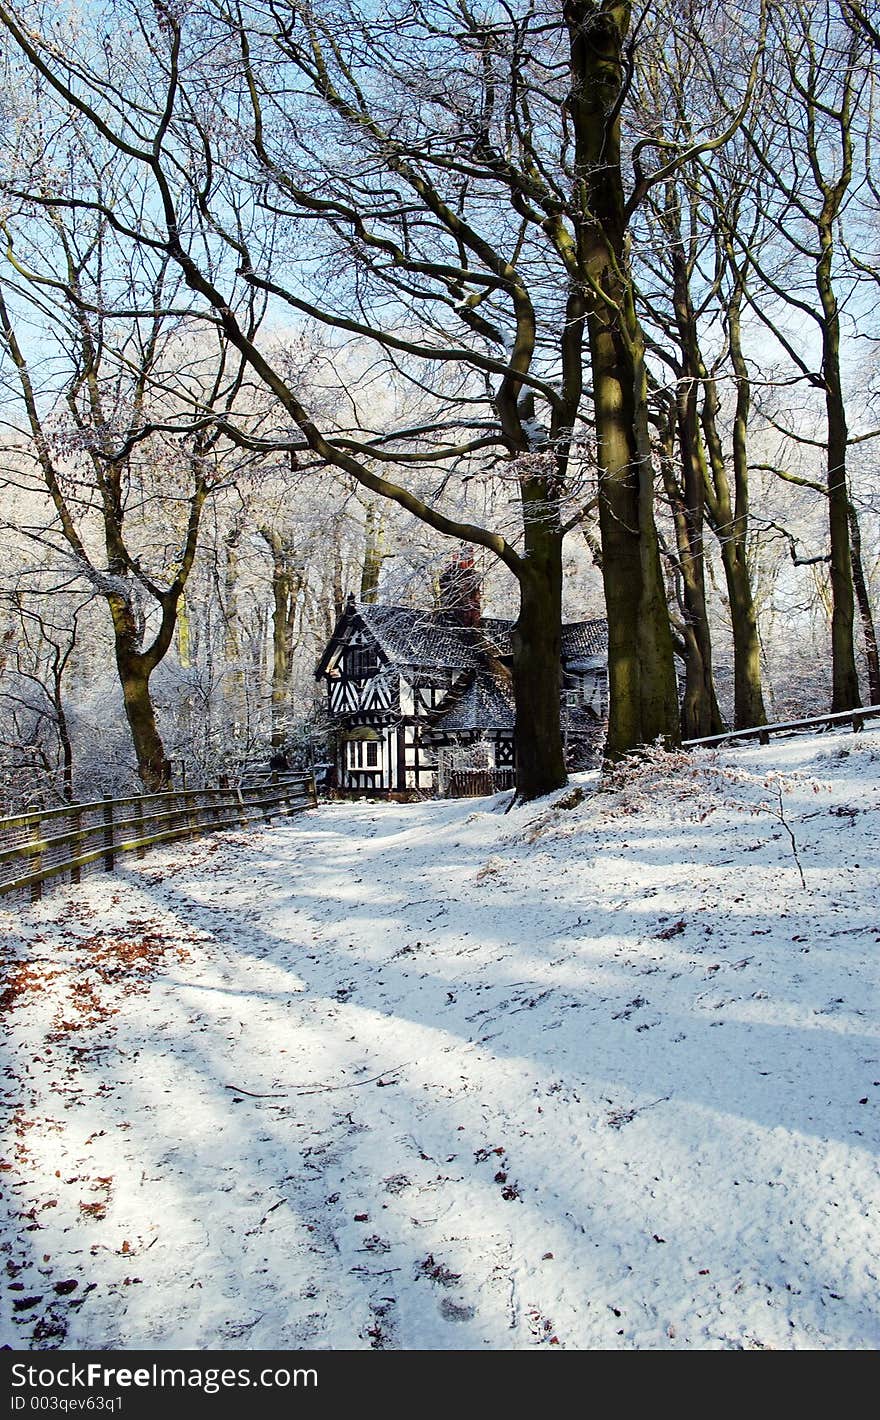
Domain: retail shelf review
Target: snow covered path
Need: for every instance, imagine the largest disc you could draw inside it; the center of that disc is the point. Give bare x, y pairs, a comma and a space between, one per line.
591, 1074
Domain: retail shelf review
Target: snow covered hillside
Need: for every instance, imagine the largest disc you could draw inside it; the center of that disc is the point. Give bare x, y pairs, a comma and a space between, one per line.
600, 1072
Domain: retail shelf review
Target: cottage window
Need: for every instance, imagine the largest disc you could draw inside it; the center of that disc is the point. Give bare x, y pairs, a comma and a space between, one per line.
372, 754
361, 662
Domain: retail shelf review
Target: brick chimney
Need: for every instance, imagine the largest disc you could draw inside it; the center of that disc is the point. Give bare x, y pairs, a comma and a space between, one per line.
460, 589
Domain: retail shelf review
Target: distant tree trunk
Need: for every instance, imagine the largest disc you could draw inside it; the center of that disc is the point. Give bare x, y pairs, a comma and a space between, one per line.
184, 653
231, 643
280, 653
338, 588
233, 679
374, 555
863, 599
286, 584
63, 736
729, 519
749, 709
700, 715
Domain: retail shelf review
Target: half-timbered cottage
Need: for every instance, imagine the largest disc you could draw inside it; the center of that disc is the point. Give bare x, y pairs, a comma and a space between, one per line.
423, 700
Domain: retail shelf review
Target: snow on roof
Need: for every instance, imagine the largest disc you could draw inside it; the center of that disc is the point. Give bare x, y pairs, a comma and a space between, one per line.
582, 640
410, 637
582, 664
481, 703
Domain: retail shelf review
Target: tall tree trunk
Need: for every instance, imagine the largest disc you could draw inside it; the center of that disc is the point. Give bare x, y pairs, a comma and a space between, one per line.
869, 631
643, 701
537, 650
844, 677
154, 768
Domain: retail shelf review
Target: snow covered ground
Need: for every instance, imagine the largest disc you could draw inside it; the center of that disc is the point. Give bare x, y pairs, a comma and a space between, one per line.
600, 1072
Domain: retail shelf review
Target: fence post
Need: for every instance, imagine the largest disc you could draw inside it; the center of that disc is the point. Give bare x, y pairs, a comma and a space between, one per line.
76, 873
109, 856
192, 814
139, 815
36, 860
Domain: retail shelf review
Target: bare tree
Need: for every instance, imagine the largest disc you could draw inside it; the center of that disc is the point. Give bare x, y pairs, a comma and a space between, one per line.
35, 737
110, 433
802, 136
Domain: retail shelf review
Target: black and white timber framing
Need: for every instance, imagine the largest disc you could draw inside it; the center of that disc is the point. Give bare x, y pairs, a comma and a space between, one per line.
415, 695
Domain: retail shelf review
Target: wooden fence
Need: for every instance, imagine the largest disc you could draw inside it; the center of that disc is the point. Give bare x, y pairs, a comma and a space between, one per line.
477, 783
762, 733
49, 843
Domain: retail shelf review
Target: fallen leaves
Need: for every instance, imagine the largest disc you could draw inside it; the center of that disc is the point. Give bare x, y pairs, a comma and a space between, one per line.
437, 1271
667, 933
24, 979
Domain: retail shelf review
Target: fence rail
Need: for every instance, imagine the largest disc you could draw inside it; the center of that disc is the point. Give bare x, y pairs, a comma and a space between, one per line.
762, 733
49, 843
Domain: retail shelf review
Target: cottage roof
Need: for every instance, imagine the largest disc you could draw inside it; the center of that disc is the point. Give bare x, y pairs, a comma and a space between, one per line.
585, 641
411, 637
581, 640
480, 701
